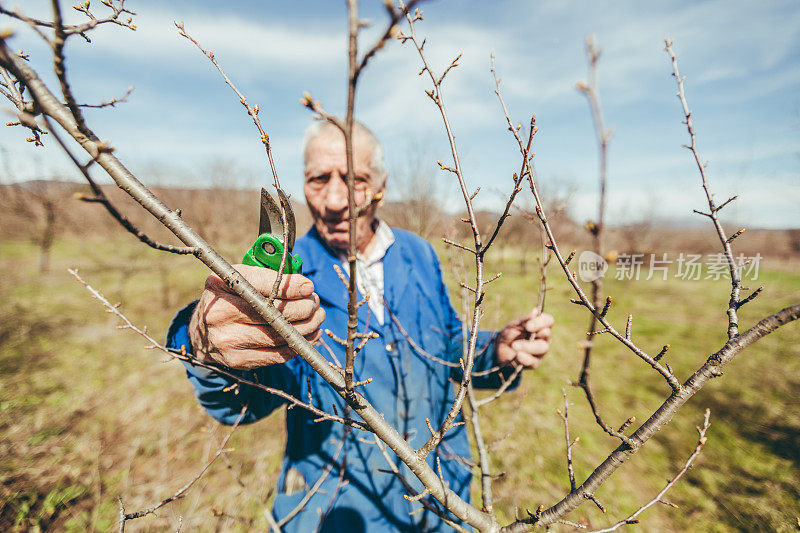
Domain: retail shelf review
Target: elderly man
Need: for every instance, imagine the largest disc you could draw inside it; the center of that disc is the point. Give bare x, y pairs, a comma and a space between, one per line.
401, 274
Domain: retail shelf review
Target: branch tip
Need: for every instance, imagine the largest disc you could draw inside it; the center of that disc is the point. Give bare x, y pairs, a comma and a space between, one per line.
663, 351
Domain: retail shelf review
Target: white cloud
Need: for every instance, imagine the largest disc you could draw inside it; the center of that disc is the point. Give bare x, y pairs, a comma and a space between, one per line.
735, 53
234, 38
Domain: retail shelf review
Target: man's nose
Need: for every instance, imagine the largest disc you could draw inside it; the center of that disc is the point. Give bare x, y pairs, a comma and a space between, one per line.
336, 198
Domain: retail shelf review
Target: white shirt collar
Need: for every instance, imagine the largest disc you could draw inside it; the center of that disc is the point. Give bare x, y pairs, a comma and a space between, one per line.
381, 241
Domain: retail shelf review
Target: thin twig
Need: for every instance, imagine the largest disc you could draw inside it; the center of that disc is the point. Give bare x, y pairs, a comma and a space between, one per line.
421, 351
253, 112
483, 454
78, 29
355, 67
507, 382
570, 443
527, 155
437, 96
183, 355
60, 69
341, 482
101, 198
395, 16
590, 303
110, 103
736, 279
484, 468
182, 491
314, 488
596, 229
660, 418
632, 518
425, 502
583, 298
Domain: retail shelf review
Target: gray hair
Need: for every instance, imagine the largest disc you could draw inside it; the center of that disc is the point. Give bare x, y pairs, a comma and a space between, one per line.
321, 127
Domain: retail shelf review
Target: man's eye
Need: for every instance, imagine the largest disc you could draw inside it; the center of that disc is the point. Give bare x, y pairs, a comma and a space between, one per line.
319, 179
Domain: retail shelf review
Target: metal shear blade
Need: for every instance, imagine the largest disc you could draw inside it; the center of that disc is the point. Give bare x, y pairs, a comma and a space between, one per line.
270, 216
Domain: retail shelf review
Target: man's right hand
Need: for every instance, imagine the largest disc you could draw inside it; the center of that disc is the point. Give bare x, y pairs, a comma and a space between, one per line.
226, 330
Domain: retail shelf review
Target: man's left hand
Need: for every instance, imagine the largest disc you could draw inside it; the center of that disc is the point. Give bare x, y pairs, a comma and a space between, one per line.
525, 341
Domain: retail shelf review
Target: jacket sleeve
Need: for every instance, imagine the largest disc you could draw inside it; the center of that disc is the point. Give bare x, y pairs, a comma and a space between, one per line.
215, 391
485, 347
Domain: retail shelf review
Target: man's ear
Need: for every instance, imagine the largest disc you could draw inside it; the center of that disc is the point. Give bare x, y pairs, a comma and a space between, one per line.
382, 191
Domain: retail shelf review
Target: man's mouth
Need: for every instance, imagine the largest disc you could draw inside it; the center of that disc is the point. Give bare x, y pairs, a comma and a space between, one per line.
337, 225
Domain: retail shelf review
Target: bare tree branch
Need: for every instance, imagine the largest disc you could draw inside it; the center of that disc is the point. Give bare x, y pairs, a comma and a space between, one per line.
736, 279
124, 517
483, 454
316, 486
681, 392
660, 418
184, 356
395, 16
52, 106
632, 518
110, 103
583, 298
101, 198
342, 471
60, 69
527, 155
426, 504
570, 443
118, 10
596, 230
507, 382
253, 112
355, 67
469, 353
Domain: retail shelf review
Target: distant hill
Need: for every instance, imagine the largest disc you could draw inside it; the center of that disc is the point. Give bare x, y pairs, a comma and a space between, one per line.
230, 217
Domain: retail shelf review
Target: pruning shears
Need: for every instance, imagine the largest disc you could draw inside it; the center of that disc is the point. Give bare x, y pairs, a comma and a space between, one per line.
267, 250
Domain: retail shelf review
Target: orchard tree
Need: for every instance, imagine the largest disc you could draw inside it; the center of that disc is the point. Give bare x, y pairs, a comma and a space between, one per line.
53, 109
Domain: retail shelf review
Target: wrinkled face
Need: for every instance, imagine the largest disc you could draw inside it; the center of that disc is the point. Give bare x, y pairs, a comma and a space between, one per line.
325, 188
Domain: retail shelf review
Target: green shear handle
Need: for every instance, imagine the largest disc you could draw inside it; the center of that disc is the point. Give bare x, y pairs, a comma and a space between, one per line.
267, 252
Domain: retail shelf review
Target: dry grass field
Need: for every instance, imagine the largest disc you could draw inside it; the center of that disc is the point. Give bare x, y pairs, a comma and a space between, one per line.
87, 415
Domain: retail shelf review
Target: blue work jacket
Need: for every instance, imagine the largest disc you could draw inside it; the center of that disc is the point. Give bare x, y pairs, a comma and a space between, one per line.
406, 387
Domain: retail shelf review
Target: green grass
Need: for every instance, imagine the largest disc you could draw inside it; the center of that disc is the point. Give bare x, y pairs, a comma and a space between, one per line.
747, 477
87, 414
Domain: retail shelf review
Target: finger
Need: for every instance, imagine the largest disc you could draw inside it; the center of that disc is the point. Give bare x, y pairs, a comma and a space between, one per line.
512, 330
544, 334
247, 359
314, 337
309, 326
545, 320
505, 354
528, 360
228, 308
239, 336
533, 314
537, 347
292, 286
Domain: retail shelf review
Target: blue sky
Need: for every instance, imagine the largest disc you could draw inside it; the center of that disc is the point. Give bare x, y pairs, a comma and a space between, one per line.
741, 59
